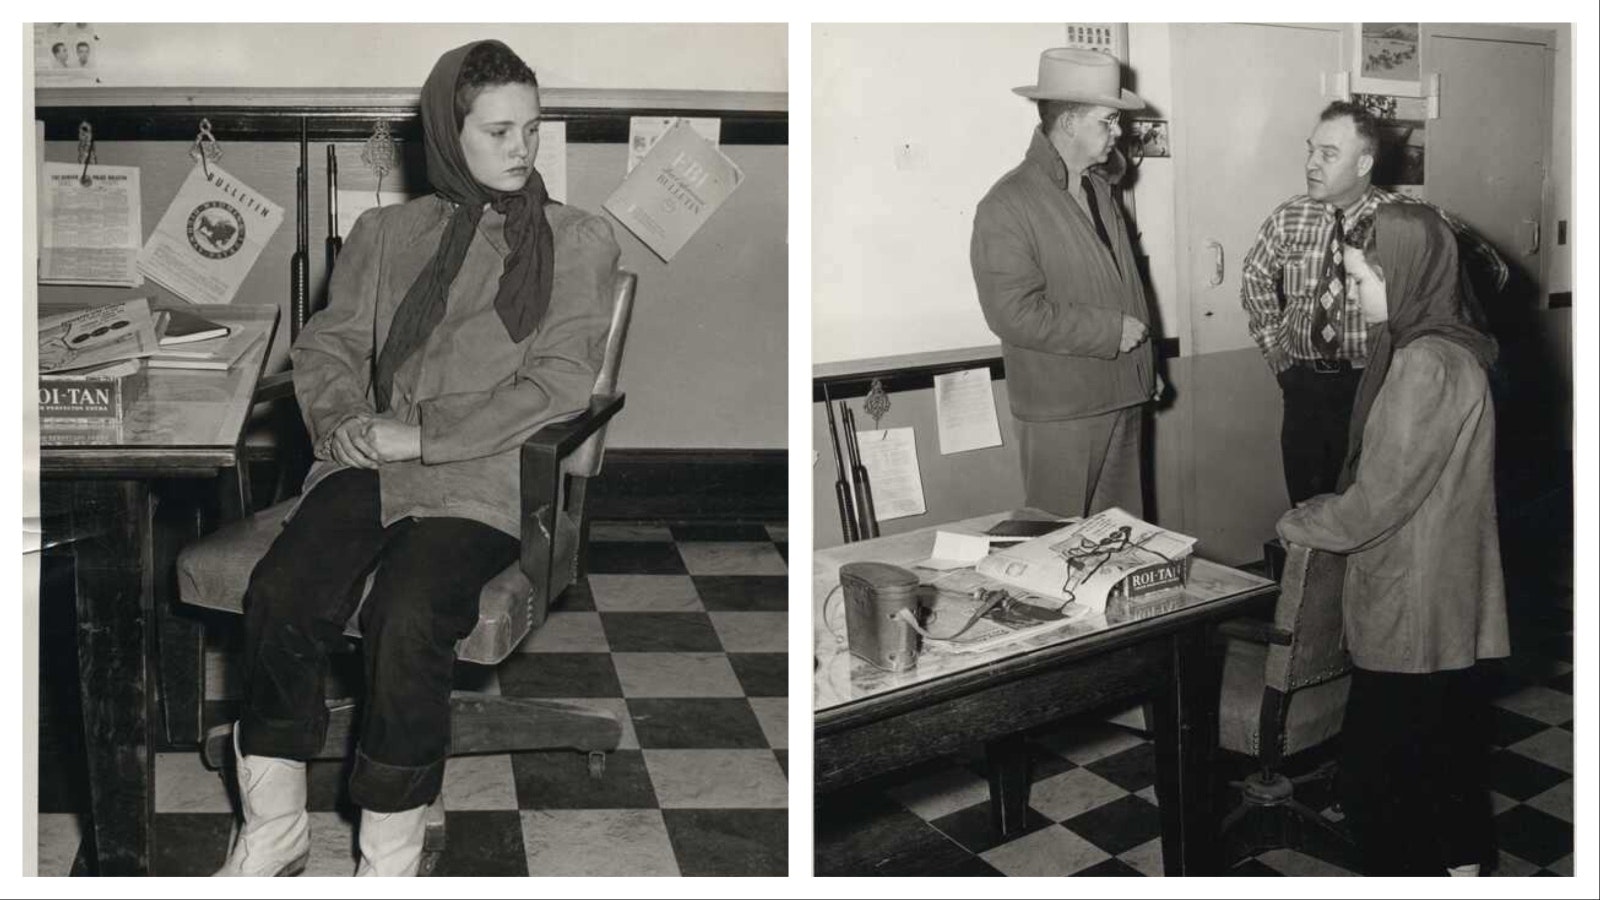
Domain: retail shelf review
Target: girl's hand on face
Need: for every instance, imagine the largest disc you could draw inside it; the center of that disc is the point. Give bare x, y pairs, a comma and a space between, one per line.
392, 441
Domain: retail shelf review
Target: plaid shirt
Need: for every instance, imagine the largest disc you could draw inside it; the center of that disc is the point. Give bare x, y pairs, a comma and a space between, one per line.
1282, 273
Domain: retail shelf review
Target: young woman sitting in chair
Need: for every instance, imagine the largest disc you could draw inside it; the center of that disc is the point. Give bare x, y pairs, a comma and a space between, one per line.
458, 324
1424, 597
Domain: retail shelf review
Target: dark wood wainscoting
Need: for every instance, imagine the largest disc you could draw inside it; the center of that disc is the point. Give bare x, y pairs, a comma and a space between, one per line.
678, 485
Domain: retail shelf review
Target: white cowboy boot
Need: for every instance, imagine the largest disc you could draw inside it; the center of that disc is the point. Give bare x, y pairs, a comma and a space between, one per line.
275, 838
391, 843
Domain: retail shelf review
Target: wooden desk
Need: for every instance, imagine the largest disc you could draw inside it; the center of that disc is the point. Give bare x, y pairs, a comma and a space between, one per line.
96, 493
869, 721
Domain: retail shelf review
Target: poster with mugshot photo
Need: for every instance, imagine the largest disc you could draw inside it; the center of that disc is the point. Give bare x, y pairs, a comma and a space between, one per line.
65, 53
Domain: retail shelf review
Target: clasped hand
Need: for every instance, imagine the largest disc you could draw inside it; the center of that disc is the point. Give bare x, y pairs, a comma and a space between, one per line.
367, 442
1133, 333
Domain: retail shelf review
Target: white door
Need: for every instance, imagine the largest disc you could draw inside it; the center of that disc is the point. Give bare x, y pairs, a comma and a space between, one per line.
1245, 99
1487, 151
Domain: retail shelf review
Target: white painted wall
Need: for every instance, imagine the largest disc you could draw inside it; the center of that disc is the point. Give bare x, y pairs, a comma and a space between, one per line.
750, 57
911, 126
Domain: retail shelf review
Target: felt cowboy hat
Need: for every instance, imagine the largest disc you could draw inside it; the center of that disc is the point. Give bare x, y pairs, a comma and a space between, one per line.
1082, 76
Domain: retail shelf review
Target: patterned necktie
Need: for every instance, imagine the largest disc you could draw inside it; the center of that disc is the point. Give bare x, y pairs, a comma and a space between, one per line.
1327, 317
1099, 223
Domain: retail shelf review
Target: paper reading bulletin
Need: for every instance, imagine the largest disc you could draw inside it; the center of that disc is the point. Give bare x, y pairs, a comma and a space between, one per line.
90, 233
682, 181
210, 237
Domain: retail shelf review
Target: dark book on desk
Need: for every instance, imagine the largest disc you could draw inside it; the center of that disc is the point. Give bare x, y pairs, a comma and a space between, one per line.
1025, 528
179, 327
96, 395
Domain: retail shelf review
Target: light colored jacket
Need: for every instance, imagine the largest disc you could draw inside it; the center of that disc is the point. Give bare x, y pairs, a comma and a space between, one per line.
1423, 588
1055, 296
476, 394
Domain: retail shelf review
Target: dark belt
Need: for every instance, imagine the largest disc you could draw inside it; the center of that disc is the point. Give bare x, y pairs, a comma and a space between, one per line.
1331, 366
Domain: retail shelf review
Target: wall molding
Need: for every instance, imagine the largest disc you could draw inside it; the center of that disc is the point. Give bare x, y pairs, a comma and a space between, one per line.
845, 381
345, 114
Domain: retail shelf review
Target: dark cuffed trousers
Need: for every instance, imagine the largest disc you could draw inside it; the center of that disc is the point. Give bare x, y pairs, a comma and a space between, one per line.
1316, 426
1414, 773
427, 573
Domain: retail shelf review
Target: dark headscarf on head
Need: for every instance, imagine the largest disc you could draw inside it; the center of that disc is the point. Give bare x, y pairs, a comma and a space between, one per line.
1428, 294
524, 292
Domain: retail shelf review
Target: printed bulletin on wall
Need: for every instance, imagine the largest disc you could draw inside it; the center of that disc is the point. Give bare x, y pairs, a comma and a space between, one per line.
210, 237
675, 188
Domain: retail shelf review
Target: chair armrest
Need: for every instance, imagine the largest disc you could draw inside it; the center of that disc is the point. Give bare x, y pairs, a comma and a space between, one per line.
559, 439
1255, 631
543, 455
278, 386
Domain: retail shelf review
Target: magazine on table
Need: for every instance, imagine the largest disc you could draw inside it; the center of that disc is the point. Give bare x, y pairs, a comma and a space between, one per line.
94, 337
1110, 554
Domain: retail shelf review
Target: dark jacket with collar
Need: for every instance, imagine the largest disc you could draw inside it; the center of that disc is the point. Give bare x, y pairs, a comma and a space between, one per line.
1055, 296
476, 394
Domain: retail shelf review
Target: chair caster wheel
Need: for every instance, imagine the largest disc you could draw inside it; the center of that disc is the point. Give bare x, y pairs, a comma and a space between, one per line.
597, 764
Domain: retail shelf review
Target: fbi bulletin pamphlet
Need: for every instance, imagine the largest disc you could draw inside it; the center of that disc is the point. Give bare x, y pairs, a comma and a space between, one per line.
89, 234
674, 190
210, 237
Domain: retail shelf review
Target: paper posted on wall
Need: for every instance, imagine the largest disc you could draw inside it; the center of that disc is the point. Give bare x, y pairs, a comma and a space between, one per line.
681, 182
644, 131
890, 455
1110, 554
964, 402
89, 233
210, 236
65, 53
94, 337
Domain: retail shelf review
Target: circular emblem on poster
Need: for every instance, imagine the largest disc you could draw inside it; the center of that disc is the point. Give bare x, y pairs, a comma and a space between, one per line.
216, 230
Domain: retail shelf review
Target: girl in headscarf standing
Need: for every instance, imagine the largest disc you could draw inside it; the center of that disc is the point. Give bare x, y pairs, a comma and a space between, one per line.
1424, 597
458, 324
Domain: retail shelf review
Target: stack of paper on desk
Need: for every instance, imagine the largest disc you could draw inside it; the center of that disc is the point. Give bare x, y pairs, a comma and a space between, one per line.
216, 353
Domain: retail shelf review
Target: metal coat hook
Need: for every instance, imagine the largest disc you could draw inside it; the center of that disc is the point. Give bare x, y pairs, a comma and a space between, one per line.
85, 150
205, 148
378, 153
877, 402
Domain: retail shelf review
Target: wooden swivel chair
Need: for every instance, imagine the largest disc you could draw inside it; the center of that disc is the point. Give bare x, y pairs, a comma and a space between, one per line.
1284, 685
557, 463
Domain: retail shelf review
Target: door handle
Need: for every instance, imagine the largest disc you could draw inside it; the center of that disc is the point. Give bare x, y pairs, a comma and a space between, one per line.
1217, 266
1533, 246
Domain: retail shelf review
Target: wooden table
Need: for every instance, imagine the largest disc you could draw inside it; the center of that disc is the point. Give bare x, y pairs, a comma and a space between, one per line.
96, 494
869, 721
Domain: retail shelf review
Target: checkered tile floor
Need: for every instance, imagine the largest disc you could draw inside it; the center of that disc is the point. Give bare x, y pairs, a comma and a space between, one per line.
1093, 807
680, 630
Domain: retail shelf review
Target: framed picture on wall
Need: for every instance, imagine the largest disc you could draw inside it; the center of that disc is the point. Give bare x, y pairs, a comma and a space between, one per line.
1387, 58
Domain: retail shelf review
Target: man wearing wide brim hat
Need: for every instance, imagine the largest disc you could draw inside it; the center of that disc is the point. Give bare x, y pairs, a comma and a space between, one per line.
1059, 284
